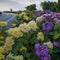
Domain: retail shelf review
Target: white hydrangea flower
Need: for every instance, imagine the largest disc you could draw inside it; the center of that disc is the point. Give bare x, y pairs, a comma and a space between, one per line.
24, 27
39, 19
18, 57
49, 44
15, 32
33, 25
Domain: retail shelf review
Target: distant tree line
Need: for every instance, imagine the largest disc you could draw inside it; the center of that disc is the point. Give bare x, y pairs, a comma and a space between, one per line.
58, 6
53, 6
46, 5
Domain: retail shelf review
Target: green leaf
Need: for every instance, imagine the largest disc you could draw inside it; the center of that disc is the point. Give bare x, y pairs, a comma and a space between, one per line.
57, 27
56, 35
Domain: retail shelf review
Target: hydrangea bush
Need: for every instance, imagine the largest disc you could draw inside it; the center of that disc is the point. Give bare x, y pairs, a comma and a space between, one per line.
38, 39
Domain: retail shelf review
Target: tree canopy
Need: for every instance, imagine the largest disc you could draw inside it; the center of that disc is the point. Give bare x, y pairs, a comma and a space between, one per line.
58, 6
31, 7
47, 5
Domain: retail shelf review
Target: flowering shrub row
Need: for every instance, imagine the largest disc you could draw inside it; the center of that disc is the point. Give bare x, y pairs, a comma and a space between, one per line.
35, 40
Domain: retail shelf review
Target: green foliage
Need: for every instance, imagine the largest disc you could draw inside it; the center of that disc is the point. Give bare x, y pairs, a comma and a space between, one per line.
53, 6
56, 31
28, 40
49, 6
31, 7
20, 17
29, 14
58, 6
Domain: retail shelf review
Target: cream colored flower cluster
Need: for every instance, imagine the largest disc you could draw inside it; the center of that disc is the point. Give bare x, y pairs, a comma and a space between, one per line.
49, 44
15, 32
18, 57
40, 36
11, 57
8, 44
24, 15
18, 31
3, 23
32, 25
24, 27
27, 27
1, 53
39, 19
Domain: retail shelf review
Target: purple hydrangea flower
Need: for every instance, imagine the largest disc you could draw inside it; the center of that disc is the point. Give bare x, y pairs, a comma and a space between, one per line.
57, 15
38, 15
44, 18
57, 44
46, 58
52, 17
42, 52
47, 27
57, 21
37, 46
47, 15
38, 53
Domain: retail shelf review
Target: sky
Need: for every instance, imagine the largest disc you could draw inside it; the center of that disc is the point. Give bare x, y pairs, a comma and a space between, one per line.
20, 4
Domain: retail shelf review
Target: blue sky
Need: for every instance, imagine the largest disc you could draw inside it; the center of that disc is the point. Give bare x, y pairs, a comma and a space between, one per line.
20, 4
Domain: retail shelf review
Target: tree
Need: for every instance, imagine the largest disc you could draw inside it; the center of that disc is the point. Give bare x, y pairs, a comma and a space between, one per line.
31, 7
49, 6
58, 6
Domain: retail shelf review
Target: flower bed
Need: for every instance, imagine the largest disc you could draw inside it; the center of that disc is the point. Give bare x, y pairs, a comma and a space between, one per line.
37, 39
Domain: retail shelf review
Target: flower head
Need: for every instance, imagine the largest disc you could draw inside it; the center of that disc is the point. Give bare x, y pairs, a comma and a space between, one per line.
57, 21
23, 49
24, 27
13, 25
1, 50
3, 23
10, 56
1, 56
49, 44
1, 37
57, 44
40, 36
18, 57
57, 15
47, 27
25, 18
47, 15
15, 32
42, 52
39, 19
37, 46
32, 25
8, 44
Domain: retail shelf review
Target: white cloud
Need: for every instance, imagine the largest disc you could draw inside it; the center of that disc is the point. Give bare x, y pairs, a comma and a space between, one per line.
28, 2
20, 4
4, 7
11, 0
